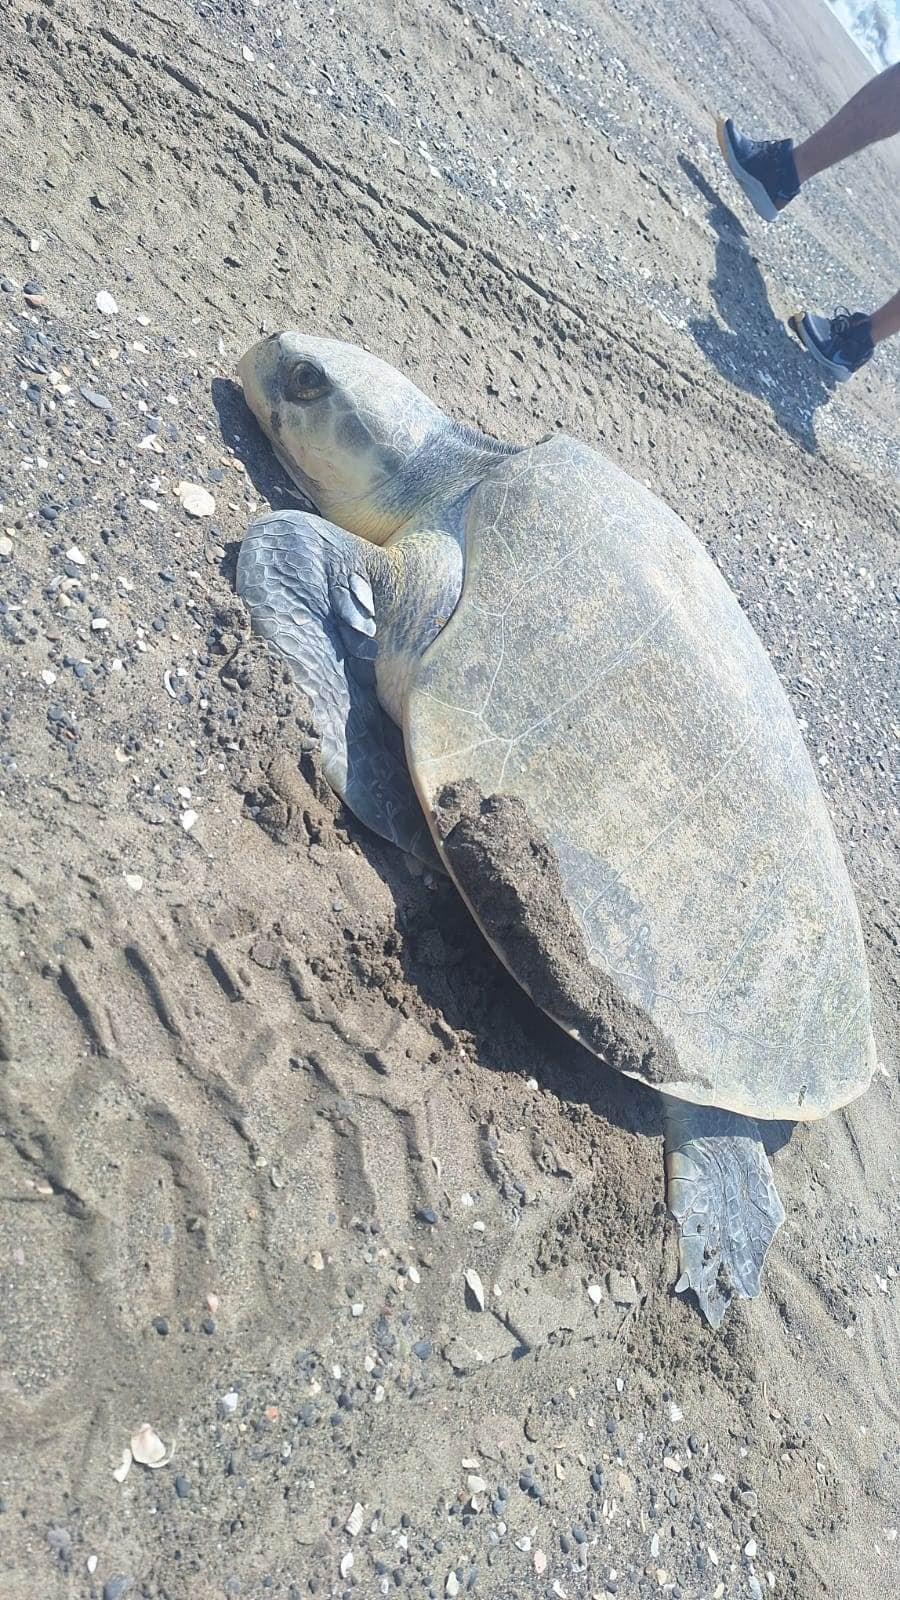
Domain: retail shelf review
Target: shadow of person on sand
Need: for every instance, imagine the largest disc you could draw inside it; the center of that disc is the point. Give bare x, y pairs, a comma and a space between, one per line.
754, 351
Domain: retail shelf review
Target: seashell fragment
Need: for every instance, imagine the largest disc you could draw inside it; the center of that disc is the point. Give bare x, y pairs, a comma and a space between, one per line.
147, 1447
475, 1287
197, 501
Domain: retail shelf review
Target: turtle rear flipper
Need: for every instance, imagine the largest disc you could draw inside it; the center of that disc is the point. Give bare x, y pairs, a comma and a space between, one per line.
306, 585
722, 1194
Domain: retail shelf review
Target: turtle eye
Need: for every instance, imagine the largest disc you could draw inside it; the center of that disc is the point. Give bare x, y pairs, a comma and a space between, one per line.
306, 381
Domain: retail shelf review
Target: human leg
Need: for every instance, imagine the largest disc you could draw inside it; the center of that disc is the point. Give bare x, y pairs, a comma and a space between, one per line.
771, 171
872, 114
886, 320
845, 342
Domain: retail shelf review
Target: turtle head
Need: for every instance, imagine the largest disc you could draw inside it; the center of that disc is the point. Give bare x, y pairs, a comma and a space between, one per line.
346, 426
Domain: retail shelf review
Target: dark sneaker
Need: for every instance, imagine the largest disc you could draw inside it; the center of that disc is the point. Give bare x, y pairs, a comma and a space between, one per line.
842, 344
765, 170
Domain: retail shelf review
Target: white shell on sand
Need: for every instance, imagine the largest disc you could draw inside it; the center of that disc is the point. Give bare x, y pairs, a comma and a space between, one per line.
147, 1447
197, 501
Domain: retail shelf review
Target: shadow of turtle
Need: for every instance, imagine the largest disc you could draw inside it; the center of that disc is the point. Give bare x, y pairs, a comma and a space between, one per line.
754, 350
449, 962
242, 434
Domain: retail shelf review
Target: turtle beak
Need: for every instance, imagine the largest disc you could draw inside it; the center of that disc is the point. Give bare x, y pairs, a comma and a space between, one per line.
256, 370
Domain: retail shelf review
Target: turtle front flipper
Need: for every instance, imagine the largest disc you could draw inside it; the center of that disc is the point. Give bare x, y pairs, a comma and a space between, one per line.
722, 1194
307, 587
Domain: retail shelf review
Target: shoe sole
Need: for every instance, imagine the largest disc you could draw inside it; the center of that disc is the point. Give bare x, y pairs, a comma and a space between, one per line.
753, 189
839, 373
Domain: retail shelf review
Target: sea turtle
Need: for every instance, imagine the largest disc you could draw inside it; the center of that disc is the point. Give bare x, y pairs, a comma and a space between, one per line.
594, 744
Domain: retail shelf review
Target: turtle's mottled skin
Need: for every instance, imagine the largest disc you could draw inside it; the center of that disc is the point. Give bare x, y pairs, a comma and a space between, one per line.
543, 627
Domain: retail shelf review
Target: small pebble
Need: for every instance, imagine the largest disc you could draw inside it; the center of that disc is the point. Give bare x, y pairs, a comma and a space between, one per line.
60, 1542
115, 1588
94, 398
182, 1487
622, 1287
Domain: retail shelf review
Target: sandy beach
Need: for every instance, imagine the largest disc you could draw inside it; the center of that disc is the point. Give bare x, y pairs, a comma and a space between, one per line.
265, 1094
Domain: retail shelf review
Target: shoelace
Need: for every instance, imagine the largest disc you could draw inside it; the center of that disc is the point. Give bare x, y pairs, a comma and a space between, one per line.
855, 325
842, 321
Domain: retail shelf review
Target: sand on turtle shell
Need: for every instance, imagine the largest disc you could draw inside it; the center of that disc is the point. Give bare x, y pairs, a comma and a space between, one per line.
511, 877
